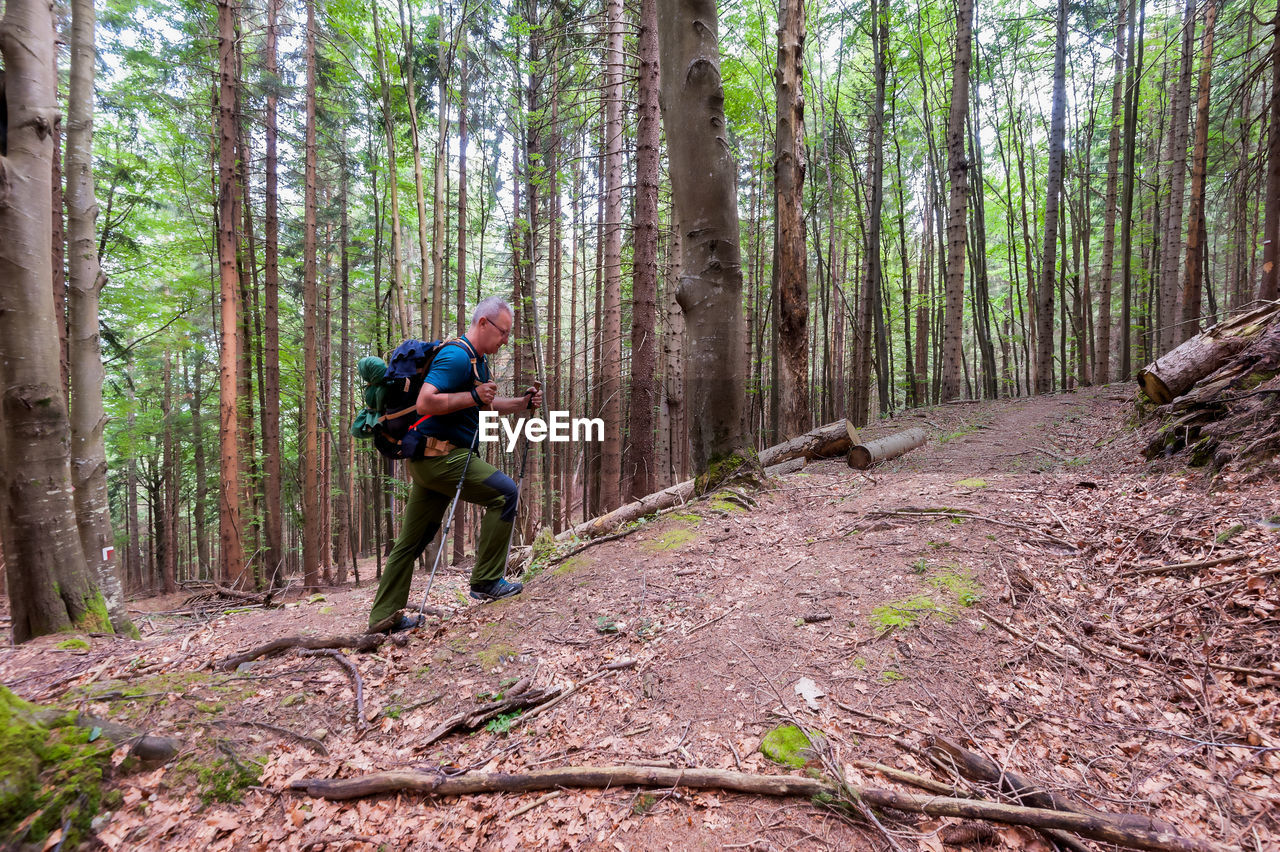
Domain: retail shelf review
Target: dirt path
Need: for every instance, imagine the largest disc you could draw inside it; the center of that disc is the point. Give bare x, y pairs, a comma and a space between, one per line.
885, 590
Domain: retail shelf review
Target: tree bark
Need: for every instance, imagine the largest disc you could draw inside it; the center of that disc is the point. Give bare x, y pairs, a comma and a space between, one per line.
88, 419
49, 586
310, 461
397, 300
1175, 372
610, 382
1049, 258
273, 518
790, 251
865, 455
957, 168
641, 465
704, 190
1133, 84
1267, 284
1176, 181
232, 550
1102, 361
1194, 282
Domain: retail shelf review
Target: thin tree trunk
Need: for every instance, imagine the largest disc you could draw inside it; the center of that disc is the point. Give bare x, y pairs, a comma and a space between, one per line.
232, 567
88, 419
1052, 208
1102, 362
1176, 160
273, 550
397, 301
1133, 82
309, 462
1267, 284
1194, 282
610, 382
957, 169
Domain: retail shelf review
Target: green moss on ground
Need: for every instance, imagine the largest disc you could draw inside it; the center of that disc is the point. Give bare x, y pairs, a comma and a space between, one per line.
904, 613
226, 780
670, 540
72, 645
971, 483
787, 745
1229, 533
51, 775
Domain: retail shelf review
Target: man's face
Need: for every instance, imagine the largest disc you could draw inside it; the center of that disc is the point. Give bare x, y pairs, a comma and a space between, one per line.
493, 333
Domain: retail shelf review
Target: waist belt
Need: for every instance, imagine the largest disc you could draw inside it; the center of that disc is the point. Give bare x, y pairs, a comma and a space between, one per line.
436, 447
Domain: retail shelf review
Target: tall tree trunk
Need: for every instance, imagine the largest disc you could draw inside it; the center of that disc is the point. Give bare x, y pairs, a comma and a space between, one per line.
202, 487
419, 178
397, 300
440, 190
1052, 208
1102, 365
789, 249
232, 567
1176, 162
705, 195
1194, 282
923, 277
1133, 82
273, 518
641, 471
610, 382
310, 460
1267, 284
88, 452
460, 522
957, 169
166, 531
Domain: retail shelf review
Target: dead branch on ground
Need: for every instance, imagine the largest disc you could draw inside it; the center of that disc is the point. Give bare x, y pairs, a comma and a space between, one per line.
360, 642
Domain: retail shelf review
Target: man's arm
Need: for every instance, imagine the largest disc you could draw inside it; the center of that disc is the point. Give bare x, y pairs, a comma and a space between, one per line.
431, 401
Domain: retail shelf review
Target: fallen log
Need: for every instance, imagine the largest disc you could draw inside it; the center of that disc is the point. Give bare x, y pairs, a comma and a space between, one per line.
1093, 827
824, 442
1178, 370
863, 456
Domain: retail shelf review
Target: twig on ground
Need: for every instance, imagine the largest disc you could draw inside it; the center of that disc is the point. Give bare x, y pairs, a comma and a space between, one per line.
360, 642
361, 723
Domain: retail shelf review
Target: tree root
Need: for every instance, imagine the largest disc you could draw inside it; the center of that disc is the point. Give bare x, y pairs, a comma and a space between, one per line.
1100, 827
360, 642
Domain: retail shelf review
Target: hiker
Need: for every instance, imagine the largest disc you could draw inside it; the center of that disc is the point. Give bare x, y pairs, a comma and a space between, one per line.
457, 385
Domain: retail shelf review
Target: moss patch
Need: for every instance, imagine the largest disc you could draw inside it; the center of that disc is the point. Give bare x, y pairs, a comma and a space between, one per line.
670, 540
971, 483
787, 745
569, 566
226, 780
685, 517
960, 583
495, 654
1229, 533
905, 613
50, 774
72, 645
94, 618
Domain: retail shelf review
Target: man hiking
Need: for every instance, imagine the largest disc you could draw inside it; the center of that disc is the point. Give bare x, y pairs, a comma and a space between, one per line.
457, 385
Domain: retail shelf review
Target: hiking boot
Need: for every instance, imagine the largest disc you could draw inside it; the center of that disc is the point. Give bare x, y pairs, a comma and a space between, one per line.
397, 622
499, 588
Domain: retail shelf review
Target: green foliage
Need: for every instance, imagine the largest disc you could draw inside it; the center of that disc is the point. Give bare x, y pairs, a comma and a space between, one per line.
225, 780
501, 724
904, 613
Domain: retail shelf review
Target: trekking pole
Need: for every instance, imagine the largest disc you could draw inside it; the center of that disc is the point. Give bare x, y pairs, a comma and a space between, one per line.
448, 522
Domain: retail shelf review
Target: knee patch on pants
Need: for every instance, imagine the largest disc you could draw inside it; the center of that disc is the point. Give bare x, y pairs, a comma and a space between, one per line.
507, 487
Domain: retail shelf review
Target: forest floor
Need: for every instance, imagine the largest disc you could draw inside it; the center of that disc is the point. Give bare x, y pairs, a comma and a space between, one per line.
1125, 686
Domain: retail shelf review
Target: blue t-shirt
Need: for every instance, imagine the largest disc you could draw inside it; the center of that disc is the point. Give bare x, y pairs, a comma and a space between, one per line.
451, 373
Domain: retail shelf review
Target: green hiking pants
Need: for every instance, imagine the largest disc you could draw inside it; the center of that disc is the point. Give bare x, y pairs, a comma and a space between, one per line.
435, 481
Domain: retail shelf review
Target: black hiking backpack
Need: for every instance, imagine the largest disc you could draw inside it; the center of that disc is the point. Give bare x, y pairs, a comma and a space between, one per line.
391, 394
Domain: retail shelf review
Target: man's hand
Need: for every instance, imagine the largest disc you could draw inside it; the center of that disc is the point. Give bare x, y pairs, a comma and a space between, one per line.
487, 392
534, 395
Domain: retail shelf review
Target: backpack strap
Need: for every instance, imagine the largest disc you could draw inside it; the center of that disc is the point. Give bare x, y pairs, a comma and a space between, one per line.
471, 352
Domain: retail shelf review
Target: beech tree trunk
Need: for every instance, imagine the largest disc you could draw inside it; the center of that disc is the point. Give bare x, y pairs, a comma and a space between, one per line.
232, 567
705, 193
50, 587
790, 252
957, 168
88, 419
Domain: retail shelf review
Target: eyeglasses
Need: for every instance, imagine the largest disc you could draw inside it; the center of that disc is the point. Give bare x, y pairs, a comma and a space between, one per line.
505, 332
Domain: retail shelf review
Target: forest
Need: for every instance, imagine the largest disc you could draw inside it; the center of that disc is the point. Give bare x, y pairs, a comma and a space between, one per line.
931, 203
